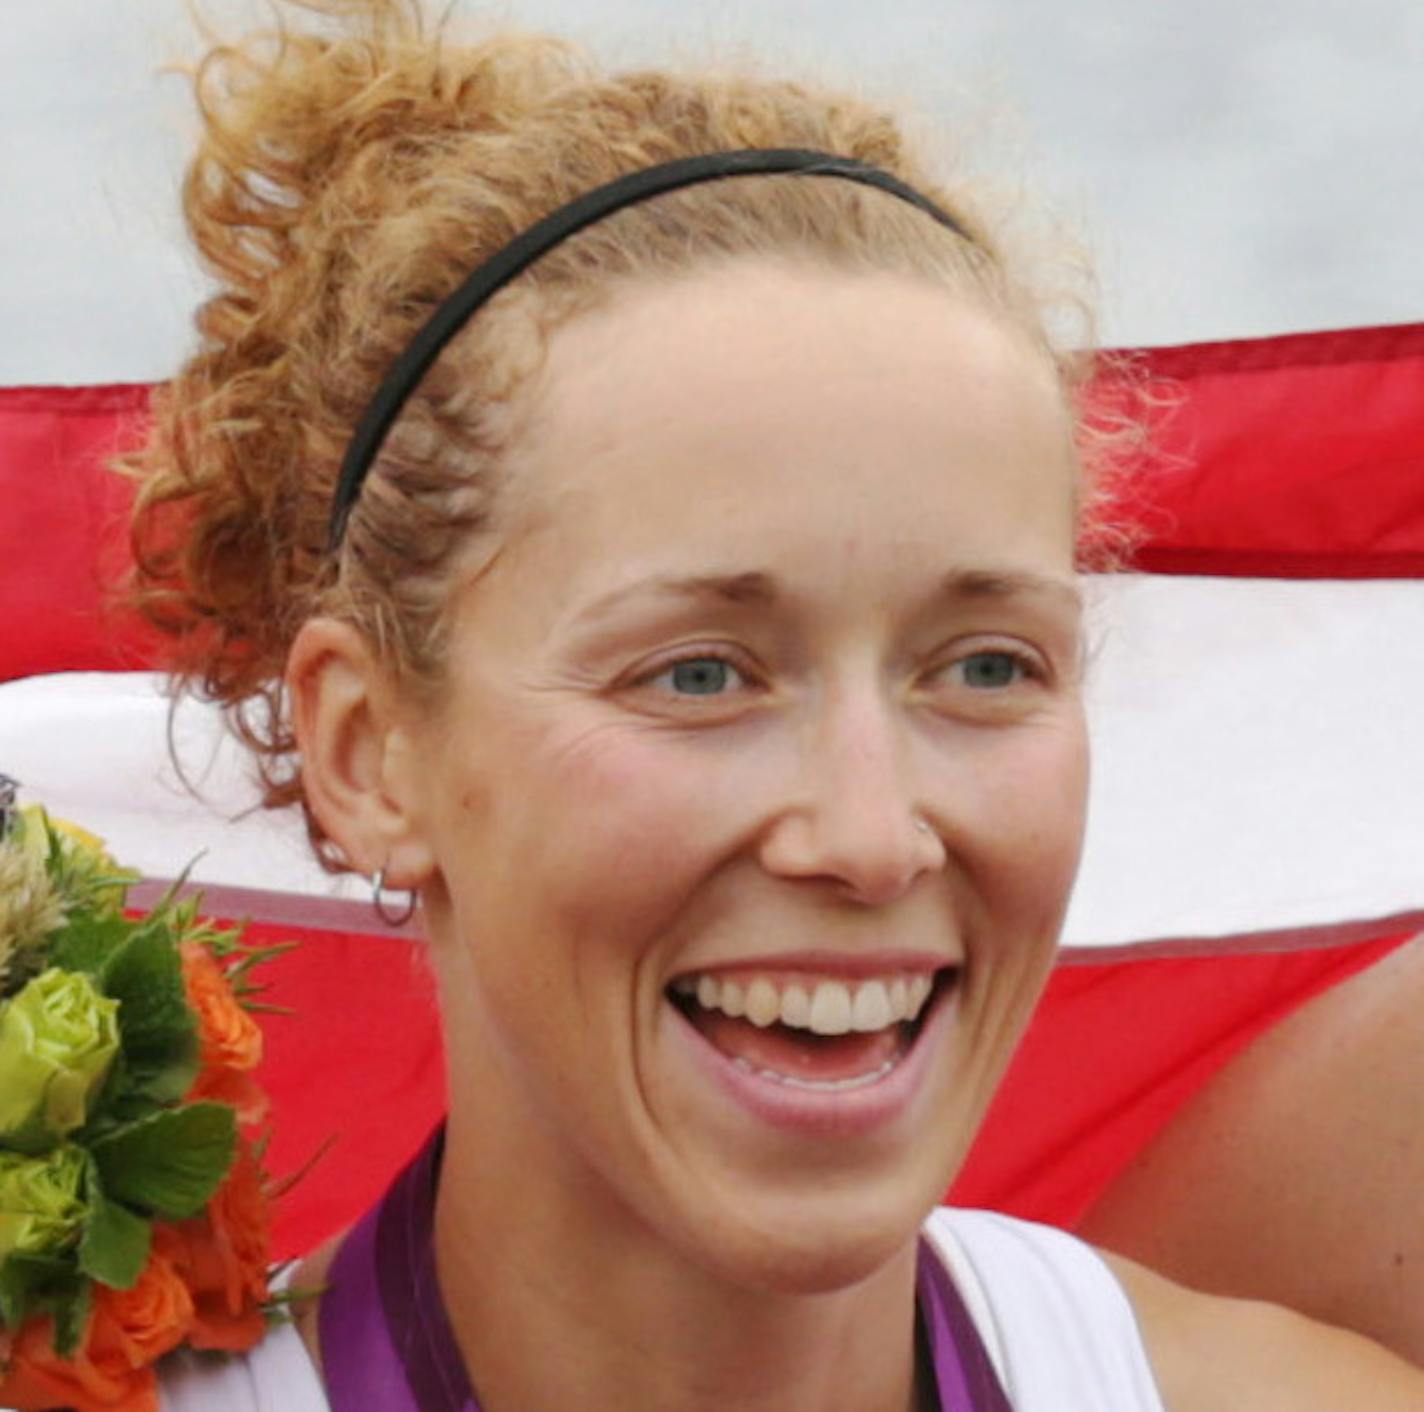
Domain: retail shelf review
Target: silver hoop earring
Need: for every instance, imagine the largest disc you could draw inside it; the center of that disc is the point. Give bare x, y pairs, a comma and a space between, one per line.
378, 902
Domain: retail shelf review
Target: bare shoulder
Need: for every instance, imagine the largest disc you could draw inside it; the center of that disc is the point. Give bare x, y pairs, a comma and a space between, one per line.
1210, 1353
1297, 1174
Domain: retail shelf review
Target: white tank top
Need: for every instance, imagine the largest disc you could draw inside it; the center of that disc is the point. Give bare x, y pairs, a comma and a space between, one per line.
1054, 1320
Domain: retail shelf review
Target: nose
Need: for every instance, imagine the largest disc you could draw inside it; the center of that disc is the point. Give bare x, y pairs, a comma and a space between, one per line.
856, 820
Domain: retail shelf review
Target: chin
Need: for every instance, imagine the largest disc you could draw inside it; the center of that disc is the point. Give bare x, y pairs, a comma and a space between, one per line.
828, 1266
815, 1241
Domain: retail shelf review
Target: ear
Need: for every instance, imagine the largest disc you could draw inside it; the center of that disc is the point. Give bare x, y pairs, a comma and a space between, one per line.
358, 762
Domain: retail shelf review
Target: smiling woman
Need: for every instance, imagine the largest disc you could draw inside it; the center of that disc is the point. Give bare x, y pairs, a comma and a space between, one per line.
639, 515
754, 746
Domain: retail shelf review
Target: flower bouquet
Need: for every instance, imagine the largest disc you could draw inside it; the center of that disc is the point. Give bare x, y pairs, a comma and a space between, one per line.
133, 1205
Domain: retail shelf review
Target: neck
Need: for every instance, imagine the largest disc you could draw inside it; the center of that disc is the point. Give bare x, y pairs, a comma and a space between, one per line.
631, 1322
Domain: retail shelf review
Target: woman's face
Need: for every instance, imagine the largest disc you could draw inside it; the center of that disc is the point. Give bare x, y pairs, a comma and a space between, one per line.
757, 788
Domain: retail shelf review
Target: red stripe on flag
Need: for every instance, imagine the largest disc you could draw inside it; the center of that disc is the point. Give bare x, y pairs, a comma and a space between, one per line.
357, 1064
1114, 1051
63, 544
1300, 456
1292, 457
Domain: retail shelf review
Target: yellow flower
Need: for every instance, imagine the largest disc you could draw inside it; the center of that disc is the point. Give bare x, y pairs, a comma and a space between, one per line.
83, 840
81, 870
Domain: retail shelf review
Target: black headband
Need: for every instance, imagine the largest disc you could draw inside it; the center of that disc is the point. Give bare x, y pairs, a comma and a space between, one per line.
455, 311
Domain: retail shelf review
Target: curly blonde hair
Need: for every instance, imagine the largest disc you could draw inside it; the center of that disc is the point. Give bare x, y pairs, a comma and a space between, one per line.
347, 178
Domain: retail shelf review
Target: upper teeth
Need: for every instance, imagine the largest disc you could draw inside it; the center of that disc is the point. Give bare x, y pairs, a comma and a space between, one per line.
823, 1007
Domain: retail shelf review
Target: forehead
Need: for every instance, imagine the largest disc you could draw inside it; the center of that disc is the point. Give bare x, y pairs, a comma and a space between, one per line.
788, 413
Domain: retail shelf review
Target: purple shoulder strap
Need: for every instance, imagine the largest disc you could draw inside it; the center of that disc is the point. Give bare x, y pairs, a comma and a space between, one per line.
964, 1374
386, 1340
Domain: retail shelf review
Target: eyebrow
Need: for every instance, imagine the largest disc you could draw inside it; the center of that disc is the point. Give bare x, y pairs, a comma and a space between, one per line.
757, 588
740, 588
978, 584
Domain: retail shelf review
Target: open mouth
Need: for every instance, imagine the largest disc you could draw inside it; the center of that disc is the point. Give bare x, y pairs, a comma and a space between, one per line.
811, 1033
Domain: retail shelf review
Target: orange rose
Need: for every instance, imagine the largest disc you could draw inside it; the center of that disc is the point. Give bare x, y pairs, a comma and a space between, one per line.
150, 1319
128, 1331
38, 1379
229, 1036
222, 1255
237, 1089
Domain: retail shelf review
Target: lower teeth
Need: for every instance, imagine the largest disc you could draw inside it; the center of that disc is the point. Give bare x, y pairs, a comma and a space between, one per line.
818, 1085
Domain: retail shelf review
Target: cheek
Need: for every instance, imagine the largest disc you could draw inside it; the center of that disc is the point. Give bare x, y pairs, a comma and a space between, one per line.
1040, 792
1026, 797
612, 828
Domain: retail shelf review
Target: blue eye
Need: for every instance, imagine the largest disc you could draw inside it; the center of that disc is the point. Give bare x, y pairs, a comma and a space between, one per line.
698, 676
990, 671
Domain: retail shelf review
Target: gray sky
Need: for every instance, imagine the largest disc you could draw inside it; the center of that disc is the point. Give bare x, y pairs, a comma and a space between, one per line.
1239, 166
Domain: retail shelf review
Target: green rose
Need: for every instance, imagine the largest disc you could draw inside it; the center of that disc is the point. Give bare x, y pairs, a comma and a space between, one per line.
41, 1202
58, 1039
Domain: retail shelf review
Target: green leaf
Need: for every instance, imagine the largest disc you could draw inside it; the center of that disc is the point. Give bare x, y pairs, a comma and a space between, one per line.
144, 1084
156, 1028
30, 1283
33, 1285
15, 1285
88, 940
115, 1243
71, 1315
124, 1100
169, 1164
145, 976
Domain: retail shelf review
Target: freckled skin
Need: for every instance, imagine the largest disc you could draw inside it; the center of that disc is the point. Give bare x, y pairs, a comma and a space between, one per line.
847, 501
619, 843
590, 834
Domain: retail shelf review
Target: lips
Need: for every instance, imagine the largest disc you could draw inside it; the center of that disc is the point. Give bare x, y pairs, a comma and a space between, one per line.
815, 1033
818, 1088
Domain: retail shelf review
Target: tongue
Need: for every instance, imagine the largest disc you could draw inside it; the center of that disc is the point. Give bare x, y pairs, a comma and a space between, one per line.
799, 1053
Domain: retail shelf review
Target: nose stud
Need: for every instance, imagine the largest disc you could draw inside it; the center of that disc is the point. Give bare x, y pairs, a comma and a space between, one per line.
923, 825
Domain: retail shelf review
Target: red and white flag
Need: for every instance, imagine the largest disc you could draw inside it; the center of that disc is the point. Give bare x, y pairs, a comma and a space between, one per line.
1257, 817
